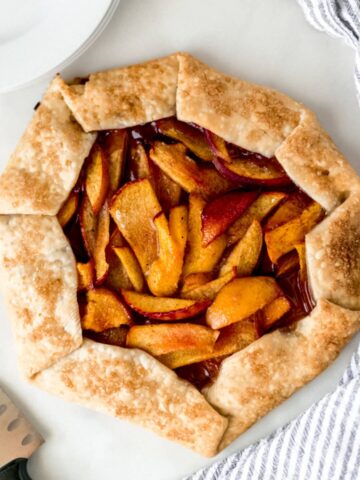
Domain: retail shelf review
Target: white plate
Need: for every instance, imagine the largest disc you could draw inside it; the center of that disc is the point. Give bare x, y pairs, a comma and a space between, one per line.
39, 38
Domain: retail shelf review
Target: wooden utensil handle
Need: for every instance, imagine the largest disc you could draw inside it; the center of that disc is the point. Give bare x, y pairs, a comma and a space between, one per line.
15, 470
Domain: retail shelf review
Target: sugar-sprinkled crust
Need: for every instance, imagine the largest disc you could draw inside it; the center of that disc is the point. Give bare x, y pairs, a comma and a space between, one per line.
39, 280
125, 97
38, 269
47, 160
333, 255
313, 162
258, 378
131, 384
252, 116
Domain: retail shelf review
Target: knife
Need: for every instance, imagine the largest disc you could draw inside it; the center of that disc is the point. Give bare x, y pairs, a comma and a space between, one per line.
18, 441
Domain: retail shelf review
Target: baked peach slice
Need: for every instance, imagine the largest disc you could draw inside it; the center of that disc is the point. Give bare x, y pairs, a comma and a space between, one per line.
193, 138
163, 308
88, 225
164, 274
165, 338
273, 311
131, 266
300, 249
139, 162
233, 338
220, 213
68, 209
240, 299
167, 191
287, 263
209, 290
283, 239
195, 280
111, 336
104, 310
115, 145
245, 255
117, 277
101, 243
290, 208
183, 170
200, 258
133, 209
97, 178
218, 147
85, 273
258, 210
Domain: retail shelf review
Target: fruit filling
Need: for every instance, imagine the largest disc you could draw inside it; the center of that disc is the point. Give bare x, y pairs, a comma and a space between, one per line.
187, 247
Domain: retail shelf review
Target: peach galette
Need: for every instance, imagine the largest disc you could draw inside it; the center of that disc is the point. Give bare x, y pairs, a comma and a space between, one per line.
178, 248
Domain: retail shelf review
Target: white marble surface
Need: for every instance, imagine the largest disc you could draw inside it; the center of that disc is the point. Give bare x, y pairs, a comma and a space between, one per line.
260, 40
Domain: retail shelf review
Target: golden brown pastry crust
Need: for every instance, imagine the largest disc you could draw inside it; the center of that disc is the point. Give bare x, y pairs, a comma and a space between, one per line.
257, 379
313, 162
129, 383
39, 282
47, 160
251, 116
132, 385
333, 255
125, 97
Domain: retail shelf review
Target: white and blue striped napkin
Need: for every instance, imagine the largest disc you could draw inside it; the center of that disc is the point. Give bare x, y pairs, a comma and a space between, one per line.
324, 442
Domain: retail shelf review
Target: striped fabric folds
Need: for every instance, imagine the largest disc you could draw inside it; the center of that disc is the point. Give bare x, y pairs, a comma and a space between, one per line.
324, 442
321, 444
340, 19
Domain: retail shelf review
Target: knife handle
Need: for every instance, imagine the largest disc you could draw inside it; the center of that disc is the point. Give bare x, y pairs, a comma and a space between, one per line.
15, 470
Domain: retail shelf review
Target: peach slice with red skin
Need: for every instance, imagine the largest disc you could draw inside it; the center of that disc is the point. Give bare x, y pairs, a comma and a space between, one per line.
283, 239
85, 273
218, 147
198, 257
193, 138
258, 210
220, 213
172, 159
115, 145
68, 209
97, 178
133, 209
251, 169
240, 299
233, 338
164, 308
165, 338
247, 172
104, 310
245, 255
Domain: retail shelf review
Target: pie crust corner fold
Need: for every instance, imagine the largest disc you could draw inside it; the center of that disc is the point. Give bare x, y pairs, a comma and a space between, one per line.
38, 269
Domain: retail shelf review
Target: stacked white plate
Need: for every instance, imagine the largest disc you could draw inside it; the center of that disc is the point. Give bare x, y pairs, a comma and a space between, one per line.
40, 37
